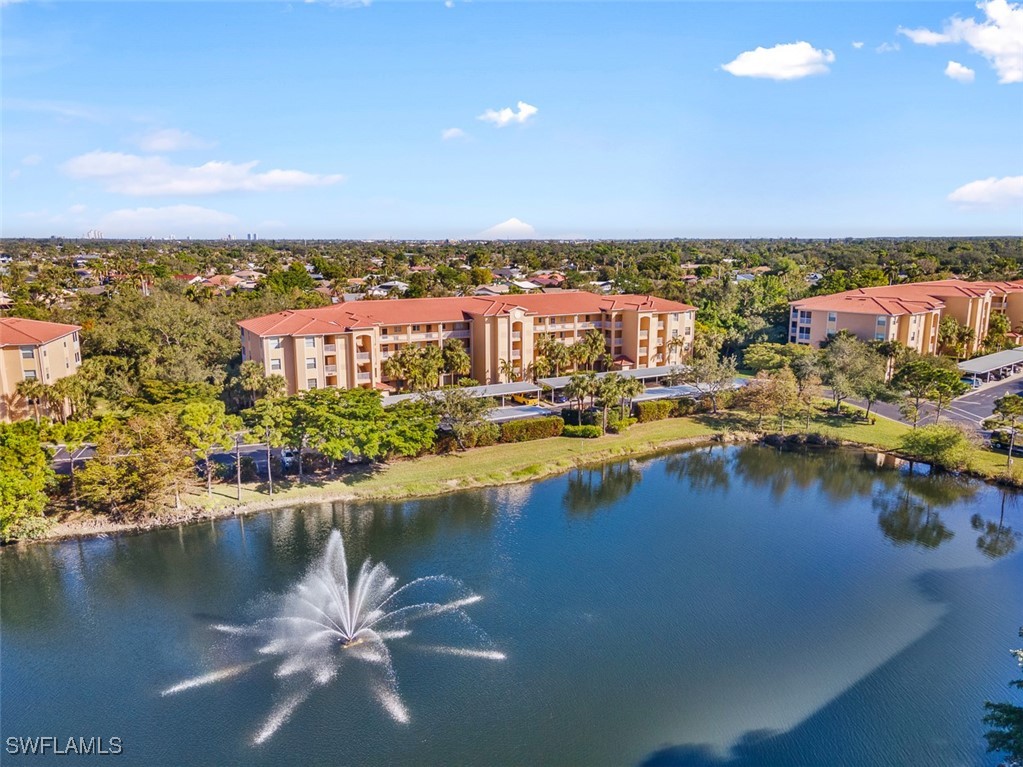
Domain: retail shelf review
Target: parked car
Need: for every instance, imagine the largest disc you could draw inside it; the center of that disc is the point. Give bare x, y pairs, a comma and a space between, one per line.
973, 381
1000, 441
525, 399
289, 457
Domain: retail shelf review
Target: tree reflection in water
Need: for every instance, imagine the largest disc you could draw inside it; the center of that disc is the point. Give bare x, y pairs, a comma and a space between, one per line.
907, 520
592, 489
996, 539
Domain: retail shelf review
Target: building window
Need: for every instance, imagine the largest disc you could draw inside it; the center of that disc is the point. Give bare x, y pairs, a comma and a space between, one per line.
832, 317
275, 364
674, 333
310, 383
804, 316
29, 374
275, 343
674, 317
879, 336
415, 328
28, 352
310, 342
689, 331
74, 336
882, 322
310, 363
78, 357
804, 334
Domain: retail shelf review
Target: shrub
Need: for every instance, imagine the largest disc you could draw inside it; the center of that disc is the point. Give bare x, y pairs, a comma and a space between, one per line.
654, 410
617, 425
685, 406
533, 428
587, 432
942, 444
573, 417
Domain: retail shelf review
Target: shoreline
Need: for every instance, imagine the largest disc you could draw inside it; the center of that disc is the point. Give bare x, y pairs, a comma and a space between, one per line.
101, 527
492, 466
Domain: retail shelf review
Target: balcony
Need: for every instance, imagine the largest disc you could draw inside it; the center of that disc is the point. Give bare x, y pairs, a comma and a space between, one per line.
643, 334
362, 356
330, 370
660, 326
457, 334
618, 326
516, 354
643, 351
330, 348
363, 377
516, 336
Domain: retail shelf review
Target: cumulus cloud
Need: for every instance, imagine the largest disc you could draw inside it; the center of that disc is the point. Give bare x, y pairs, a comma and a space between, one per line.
172, 140
786, 61
857, 44
450, 134
990, 193
507, 116
169, 221
512, 229
887, 48
77, 209
154, 175
998, 38
957, 71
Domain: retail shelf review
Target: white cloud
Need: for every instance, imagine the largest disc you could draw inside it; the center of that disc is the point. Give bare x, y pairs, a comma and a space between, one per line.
449, 3
170, 221
990, 193
786, 61
999, 38
512, 229
31, 159
77, 209
507, 116
957, 71
154, 175
857, 44
887, 48
172, 140
450, 134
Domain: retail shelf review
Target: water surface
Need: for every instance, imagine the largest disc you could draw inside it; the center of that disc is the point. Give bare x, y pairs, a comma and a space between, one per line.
727, 605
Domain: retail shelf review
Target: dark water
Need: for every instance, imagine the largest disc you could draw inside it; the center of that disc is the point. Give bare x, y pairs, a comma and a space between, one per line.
719, 606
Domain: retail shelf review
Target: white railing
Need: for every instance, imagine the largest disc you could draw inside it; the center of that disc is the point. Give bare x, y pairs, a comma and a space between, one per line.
644, 334
516, 335
618, 325
363, 376
330, 348
457, 334
362, 356
330, 370
516, 354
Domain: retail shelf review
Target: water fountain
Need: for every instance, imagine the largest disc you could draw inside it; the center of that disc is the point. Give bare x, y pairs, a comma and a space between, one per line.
326, 621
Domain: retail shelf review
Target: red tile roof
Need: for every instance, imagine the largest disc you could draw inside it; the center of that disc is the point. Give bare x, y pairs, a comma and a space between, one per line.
911, 298
16, 331
405, 311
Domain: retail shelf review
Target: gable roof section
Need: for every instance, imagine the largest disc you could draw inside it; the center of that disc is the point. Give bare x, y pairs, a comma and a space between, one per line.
405, 311
911, 298
17, 331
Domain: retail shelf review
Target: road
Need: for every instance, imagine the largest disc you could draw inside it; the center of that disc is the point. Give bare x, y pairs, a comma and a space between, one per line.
971, 409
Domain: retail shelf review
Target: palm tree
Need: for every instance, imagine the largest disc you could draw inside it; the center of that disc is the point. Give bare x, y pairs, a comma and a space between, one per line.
631, 387
609, 390
675, 347
507, 370
580, 386
33, 390
457, 361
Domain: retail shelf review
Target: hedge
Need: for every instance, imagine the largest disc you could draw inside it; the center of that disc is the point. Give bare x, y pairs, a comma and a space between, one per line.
581, 431
654, 410
572, 417
685, 406
533, 428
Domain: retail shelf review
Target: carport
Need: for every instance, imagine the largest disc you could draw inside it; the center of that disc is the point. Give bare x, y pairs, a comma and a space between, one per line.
495, 391
997, 365
643, 374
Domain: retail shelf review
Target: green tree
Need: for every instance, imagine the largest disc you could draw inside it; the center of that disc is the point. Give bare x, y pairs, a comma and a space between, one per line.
34, 391
208, 429
943, 444
610, 391
710, 376
73, 435
409, 429
252, 380
268, 420
23, 481
1007, 414
580, 386
462, 414
927, 379
457, 362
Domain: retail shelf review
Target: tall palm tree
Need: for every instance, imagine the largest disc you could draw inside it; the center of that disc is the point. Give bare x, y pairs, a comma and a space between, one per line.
457, 361
507, 370
33, 390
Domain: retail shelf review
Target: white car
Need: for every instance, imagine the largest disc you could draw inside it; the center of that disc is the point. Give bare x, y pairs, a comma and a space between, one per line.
289, 457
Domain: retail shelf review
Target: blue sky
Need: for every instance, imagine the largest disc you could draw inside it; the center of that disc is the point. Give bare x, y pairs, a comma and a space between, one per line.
457, 119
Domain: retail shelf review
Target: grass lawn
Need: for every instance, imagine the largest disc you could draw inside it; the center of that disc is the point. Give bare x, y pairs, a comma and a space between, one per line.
515, 462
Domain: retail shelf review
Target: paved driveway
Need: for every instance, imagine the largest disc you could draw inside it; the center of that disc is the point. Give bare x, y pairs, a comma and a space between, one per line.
971, 409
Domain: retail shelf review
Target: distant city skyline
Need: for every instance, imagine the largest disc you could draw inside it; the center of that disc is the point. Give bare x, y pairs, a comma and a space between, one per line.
470, 120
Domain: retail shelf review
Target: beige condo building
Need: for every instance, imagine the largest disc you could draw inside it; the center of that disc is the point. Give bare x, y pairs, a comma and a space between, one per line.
33, 350
346, 345
909, 314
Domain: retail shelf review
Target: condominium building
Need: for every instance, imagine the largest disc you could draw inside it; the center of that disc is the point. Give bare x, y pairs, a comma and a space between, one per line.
909, 313
345, 345
33, 350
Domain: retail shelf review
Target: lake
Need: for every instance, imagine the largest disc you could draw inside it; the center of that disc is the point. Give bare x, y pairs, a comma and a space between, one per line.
731, 605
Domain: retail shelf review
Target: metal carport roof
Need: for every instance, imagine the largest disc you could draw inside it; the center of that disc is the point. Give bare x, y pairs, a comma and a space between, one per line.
990, 362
